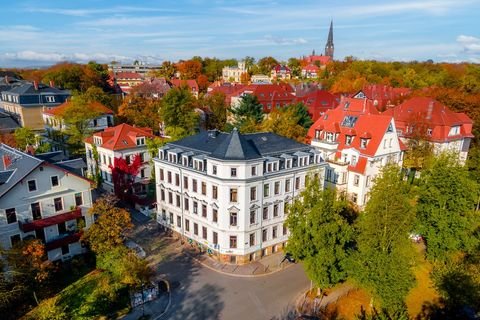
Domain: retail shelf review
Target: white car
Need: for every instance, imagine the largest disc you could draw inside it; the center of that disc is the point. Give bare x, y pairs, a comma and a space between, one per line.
147, 210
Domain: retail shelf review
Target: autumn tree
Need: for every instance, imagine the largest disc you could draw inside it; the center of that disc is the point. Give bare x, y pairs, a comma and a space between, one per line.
266, 65
178, 110
24, 137
217, 111
141, 112
189, 69
96, 94
284, 122
110, 225
382, 262
320, 234
446, 200
248, 115
419, 148
123, 177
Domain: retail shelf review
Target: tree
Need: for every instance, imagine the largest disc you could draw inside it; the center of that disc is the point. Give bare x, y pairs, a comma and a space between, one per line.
217, 117
248, 115
202, 82
295, 66
178, 110
320, 235
266, 65
301, 113
419, 148
189, 69
24, 137
446, 200
141, 112
382, 262
123, 177
284, 121
96, 94
110, 225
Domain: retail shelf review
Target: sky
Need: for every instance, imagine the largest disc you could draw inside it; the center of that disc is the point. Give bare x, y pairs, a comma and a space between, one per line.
37, 33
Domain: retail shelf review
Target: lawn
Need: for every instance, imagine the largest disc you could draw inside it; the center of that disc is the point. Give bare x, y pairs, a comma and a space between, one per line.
93, 296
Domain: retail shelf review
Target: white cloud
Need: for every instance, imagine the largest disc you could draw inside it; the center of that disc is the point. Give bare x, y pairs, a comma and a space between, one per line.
54, 57
470, 44
285, 41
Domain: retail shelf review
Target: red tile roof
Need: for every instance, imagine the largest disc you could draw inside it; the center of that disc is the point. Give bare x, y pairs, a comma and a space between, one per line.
369, 123
128, 75
318, 102
433, 115
322, 59
280, 68
269, 94
310, 68
192, 84
121, 137
383, 95
96, 106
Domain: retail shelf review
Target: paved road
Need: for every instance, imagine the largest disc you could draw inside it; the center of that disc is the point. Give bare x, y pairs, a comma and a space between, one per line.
206, 294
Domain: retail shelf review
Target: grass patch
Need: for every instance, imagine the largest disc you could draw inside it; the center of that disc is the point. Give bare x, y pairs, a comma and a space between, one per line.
424, 292
350, 305
94, 296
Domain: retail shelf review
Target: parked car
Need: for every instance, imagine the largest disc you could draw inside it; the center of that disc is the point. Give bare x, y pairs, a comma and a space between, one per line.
289, 257
147, 210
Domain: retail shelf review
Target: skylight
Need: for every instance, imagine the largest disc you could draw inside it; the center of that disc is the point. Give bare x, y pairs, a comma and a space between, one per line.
349, 121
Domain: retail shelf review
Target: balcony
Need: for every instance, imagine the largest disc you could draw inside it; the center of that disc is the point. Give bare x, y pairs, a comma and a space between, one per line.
63, 240
50, 221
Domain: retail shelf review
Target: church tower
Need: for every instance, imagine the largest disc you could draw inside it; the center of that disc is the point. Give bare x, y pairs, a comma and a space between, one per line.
329, 46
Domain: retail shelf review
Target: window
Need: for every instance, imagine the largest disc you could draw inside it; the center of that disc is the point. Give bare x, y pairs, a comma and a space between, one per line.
178, 201
429, 132
11, 215
187, 225
185, 182
363, 143
276, 188
62, 228
15, 239
317, 134
171, 218
297, 183
254, 170
367, 181
177, 179
195, 207
284, 230
186, 204
179, 221
170, 198
194, 185
142, 173
195, 229
36, 212
204, 233
275, 210
274, 232
142, 157
253, 215
140, 141
233, 172
253, 193
65, 249
169, 177
252, 239
354, 197
32, 185
185, 161
58, 204
50, 98
233, 195
287, 185
162, 177
214, 215
354, 160
264, 235
356, 180
233, 242
54, 181
204, 210
214, 170
266, 190
162, 195
204, 188
348, 140
214, 192
233, 219
215, 237
265, 213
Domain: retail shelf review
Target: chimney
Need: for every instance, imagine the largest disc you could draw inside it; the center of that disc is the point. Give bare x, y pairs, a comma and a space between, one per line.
35, 84
6, 79
52, 84
7, 161
429, 110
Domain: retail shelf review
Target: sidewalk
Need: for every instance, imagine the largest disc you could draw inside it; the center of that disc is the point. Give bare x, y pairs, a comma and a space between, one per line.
152, 308
265, 266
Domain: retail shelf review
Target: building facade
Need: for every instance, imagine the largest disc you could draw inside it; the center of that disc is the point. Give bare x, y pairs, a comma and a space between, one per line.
122, 141
226, 192
356, 142
234, 74
281, 72
43, 201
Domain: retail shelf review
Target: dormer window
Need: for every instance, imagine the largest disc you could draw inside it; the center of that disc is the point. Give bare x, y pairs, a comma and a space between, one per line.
97, 141
269, 167
185, 161
455, 130
172, 157
429, 132
50, 98
330, 137
198, 165
275, 166
288, 164
363, 143
348, 140
141, 141
318, 134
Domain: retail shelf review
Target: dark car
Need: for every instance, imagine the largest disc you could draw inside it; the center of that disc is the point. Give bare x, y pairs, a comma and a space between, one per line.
289, 257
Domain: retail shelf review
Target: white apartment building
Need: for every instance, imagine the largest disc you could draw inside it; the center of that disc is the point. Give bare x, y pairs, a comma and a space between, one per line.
234, 74
227, 192
41, 200
122, 141
356, 142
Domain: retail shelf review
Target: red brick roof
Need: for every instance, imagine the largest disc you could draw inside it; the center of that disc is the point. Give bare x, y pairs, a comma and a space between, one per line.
121, 137
128, 75
433, 115
322, 59
96, 106
318, 102
281, 68
383, 95
272, 94
310, 68
192, 84
369, 123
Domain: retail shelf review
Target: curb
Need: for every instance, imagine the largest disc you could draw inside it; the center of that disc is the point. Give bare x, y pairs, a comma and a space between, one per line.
166, 309
233, 274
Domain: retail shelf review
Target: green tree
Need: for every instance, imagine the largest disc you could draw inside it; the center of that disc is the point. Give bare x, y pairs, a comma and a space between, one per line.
301, 113
285, 122
248, 115
266, 65
217, 106
96, 94
109, 229
178, 110
382, 263
446, 200
141, 112
320, 235
24, 137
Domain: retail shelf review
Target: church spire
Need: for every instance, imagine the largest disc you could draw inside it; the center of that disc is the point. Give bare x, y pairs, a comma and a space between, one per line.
329, 48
